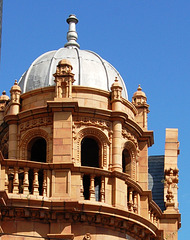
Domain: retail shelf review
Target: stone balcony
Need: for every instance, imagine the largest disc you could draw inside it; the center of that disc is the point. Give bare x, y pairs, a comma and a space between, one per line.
45, 184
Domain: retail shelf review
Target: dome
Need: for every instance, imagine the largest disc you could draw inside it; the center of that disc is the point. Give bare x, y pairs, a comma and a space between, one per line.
89, 68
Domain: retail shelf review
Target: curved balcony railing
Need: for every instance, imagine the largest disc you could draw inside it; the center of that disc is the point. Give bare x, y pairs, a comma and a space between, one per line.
30, 178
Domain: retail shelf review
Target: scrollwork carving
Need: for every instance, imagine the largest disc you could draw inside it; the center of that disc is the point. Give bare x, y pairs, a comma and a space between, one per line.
86, 121
129, 136
35, 123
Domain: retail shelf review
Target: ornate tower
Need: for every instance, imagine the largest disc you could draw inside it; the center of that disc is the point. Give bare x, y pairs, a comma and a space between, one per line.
74, 154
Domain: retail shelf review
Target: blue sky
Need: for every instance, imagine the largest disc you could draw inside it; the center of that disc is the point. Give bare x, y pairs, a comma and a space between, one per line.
147, 41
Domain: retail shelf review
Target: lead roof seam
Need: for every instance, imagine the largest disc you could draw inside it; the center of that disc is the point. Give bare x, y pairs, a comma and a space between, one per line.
101, 60
53, 60
79, 66
121, 79
29, 70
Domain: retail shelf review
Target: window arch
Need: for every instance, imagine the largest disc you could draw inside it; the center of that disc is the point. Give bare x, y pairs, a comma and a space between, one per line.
129, 159
29, 138
101, 139
90, 152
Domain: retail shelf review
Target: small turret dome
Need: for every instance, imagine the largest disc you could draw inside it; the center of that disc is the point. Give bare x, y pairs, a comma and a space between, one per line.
4, 97
89, 68
139, 97
15, 87
139, 93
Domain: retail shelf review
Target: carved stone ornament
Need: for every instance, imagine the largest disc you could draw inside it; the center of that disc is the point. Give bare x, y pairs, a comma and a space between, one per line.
64, 79
87, 121
129, 136
98, 134
36, 123
137, 231
87, 236
171, 178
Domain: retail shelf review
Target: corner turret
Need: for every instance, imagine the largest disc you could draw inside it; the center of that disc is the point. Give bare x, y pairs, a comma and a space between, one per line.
139, 99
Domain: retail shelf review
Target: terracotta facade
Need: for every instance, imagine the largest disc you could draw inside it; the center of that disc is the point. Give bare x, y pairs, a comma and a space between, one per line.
74, 165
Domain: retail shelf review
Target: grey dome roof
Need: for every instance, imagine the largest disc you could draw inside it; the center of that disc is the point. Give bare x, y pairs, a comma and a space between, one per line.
89, 68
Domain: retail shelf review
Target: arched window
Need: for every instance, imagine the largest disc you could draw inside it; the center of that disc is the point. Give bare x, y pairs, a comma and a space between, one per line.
90, 153
126, 162
90, 157
37, 150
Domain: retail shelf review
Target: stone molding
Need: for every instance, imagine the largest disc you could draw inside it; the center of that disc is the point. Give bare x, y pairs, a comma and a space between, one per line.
97, 134
28, 136
134, 228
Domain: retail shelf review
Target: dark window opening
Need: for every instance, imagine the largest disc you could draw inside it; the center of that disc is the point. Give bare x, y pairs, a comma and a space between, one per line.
37, 150
10, 186
21, 179
5, 152
31, 179
86, 187
126, 161
40, 181
89, 153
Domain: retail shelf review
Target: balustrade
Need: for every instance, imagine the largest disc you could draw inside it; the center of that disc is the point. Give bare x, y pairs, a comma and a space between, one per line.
153, 216
25, 181
31, 179
132, 197
93, 187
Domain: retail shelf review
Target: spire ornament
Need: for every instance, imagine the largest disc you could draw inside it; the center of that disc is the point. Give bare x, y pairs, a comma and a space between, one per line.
72, 35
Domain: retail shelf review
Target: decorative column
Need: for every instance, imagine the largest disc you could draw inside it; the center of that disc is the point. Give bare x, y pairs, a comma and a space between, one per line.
7, 179
139, 100
130, 203
171, 168
92, 190
26, 181
13, 111
116, 99
16, 181
81, 186
102, 190
15, 99
45, 183
35, 183
170, 187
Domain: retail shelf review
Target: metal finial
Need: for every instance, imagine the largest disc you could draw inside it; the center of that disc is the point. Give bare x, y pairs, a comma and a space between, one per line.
72, 35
